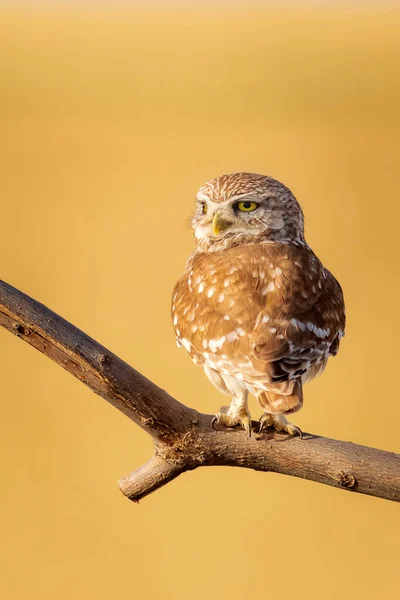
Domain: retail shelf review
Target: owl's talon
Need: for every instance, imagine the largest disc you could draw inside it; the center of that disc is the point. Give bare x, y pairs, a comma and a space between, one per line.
280, 423
227, 420
246, 424
293, 430
265, 421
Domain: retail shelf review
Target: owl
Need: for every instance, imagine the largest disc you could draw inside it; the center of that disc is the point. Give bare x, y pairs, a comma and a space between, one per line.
255, 308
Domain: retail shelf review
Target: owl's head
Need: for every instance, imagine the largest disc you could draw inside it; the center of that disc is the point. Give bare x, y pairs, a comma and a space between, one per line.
243, 208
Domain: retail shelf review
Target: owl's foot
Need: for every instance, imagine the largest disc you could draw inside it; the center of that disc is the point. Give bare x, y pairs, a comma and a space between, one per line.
229, 418
280, 423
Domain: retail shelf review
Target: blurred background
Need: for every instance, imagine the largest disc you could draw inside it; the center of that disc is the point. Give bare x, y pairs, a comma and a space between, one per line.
111, 116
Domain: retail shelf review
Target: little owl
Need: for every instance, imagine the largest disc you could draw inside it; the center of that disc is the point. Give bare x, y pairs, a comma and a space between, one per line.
255, 307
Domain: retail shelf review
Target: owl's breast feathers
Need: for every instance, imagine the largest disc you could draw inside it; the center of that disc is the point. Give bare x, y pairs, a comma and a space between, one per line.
264, 313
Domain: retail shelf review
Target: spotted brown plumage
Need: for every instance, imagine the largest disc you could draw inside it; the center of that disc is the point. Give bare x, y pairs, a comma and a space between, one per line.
255, 308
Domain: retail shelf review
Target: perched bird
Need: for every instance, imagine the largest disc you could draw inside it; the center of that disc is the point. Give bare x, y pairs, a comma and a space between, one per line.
255, 307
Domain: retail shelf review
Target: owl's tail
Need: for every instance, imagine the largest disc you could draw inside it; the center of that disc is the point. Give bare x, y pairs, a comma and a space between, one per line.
278, 403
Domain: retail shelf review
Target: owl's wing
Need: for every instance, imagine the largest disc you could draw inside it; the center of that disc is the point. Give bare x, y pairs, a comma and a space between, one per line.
302, 320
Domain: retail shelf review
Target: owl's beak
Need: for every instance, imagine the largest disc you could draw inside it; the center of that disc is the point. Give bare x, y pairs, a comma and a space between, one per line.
219, 222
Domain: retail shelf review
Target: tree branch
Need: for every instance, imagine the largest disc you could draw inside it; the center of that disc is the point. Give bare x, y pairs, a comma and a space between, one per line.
183, 438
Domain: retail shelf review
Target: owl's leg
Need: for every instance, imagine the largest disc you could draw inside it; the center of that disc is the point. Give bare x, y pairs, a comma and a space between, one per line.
280, 423
235, 414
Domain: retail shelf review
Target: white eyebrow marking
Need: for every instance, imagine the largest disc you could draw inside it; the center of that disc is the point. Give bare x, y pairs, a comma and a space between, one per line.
239, 196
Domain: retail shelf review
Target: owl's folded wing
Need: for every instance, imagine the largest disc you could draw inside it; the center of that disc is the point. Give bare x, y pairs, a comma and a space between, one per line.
302, 321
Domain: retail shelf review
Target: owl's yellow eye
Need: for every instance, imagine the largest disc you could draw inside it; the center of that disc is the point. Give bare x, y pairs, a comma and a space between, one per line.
247, 206
204, 208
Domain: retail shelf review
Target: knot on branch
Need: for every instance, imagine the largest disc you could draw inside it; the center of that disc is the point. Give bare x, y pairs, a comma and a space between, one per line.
20, 329
347, 480
104, 359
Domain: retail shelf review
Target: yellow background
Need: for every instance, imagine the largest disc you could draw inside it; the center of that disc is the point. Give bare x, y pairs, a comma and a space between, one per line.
110, 120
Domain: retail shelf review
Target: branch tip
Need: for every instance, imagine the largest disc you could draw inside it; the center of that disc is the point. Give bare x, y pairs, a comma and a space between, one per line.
148, 478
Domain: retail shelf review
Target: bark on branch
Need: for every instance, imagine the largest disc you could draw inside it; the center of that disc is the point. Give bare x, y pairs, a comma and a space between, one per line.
183, 438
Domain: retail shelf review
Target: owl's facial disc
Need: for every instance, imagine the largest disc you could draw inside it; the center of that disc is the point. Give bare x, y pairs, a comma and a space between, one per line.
216, 220
243, 207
